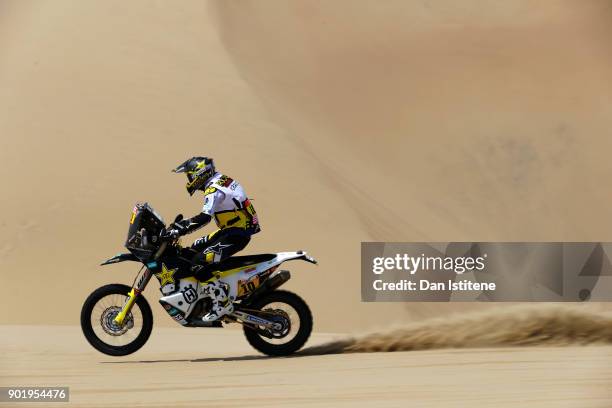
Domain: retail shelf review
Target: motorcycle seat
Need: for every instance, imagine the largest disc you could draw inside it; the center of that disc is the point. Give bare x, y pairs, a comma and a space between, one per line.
238, 261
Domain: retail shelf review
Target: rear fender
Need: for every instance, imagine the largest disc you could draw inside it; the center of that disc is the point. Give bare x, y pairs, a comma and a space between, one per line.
278, 278
288, 256
120, 258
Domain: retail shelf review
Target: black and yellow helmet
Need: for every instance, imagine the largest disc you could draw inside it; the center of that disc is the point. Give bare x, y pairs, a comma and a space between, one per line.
198, 170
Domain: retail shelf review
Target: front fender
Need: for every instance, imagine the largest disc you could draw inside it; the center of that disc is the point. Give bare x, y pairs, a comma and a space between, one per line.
120, 258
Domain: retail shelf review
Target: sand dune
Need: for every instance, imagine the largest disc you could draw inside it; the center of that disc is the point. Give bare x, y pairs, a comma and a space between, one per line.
346, 121
441, 119
444, 125
101, 101
485, 128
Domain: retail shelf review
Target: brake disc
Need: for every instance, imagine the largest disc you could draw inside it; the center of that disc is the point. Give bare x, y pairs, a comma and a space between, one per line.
107, 321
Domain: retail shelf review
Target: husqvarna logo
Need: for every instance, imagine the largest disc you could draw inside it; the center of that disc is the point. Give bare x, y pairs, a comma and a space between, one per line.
190, 295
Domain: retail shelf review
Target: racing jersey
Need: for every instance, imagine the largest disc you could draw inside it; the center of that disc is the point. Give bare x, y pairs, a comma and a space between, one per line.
226, 202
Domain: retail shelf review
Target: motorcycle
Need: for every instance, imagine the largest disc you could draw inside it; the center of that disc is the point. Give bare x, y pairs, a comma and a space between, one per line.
117, 320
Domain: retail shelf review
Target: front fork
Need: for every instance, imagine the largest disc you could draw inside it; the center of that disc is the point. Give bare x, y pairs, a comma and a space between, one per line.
132, 296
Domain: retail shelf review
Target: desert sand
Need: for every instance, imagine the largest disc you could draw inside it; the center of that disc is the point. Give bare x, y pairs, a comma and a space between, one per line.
201, 374
346, 121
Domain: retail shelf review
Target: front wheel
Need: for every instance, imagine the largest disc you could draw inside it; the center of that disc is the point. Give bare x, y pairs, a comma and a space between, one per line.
294, 315
97, 321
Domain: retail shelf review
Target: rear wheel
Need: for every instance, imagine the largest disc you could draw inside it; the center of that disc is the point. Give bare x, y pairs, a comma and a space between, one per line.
99, 328
295, 320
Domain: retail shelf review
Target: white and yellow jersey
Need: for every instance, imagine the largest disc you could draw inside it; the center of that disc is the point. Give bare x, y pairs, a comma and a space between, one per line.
226, 201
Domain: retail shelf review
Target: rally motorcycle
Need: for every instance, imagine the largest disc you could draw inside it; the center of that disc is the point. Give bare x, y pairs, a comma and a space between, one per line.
117, 320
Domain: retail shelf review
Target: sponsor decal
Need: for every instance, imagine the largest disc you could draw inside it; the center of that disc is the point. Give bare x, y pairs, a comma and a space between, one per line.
210, 190
134, 211
256, 319
189, 294
247, 286
142, 279
173, 312
225, 181
217, 248
166, 275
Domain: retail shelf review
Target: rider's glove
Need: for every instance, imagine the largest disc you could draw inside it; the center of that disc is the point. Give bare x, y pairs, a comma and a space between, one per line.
170, 233
189, 225
180, 227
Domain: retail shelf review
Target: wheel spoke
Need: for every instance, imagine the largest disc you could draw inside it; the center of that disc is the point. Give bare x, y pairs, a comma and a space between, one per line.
102, 316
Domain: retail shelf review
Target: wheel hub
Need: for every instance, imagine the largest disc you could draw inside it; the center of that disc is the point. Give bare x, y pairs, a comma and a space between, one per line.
107, 320
282, 323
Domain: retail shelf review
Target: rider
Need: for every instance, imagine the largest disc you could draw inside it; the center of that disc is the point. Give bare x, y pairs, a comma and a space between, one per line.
227, 203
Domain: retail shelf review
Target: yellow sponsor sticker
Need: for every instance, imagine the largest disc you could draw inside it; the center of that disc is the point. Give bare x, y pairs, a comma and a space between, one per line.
246, 287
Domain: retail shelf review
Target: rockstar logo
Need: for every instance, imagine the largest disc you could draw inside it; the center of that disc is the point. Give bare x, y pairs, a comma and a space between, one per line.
166, 275
217, 248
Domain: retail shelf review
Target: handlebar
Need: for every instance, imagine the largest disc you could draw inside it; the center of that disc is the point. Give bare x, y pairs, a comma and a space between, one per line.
168, 235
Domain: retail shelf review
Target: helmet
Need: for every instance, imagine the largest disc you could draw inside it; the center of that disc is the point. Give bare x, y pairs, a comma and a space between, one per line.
199, 170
